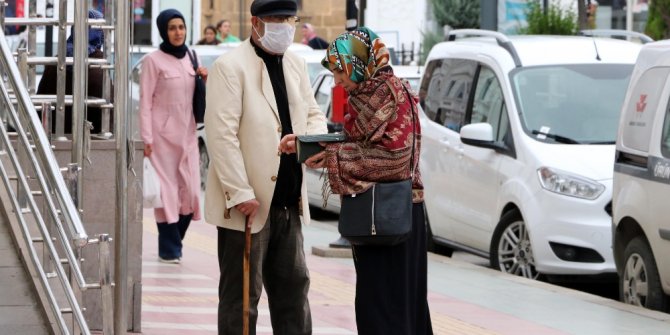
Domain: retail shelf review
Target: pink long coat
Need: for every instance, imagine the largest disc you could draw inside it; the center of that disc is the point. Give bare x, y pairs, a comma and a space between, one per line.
167, 122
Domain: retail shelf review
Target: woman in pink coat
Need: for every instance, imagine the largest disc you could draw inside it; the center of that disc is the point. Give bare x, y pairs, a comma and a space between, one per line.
168, 130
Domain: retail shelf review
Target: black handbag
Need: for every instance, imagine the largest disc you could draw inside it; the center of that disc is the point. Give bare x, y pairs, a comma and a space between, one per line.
199, 92
382, 215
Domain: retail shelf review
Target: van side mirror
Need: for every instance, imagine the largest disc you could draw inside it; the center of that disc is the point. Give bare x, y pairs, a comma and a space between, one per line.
481, 135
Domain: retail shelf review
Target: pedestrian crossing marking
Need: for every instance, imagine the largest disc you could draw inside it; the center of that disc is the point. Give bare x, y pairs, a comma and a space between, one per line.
147, 298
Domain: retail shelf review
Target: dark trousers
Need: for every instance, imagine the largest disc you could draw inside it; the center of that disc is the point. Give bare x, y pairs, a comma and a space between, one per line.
391, 285
170, 236
277, 261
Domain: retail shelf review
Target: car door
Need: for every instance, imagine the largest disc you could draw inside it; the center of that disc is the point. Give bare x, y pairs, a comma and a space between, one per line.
135, 100
478, 168
322, 86
444, 93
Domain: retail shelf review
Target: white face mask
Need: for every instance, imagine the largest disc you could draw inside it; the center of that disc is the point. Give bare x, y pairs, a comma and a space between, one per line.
278, 36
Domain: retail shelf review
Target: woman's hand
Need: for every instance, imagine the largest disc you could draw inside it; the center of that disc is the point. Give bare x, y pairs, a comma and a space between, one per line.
317, 161
287, 144
202, 71
148, 149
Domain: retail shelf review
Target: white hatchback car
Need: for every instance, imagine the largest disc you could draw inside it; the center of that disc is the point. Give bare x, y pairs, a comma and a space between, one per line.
640, 209
518, 148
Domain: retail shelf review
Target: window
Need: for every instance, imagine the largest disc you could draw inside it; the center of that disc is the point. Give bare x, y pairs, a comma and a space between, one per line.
665, 139
323, 94
488, 104
135, 75
445, 91
572, 104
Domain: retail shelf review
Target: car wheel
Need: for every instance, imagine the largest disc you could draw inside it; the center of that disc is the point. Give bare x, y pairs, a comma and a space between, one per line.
204, 164
640, 283
511, 251
433, 246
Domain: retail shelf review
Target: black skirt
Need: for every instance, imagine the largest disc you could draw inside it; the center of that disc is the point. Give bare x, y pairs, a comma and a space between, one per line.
391, 285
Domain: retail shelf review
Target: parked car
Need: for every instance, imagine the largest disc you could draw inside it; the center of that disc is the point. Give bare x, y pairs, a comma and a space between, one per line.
313, 59
323, 88
518, 147
640, 209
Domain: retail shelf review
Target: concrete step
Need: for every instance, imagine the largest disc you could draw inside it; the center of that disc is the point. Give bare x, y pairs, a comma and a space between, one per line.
20, 311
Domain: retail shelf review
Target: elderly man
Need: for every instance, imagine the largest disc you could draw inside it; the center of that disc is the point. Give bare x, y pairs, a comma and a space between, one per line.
258, 94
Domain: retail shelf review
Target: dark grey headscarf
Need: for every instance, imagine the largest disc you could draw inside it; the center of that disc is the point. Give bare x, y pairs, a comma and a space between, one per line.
162, 20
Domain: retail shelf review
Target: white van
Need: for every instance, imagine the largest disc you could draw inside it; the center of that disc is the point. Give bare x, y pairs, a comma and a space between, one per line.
518, 148
640, 203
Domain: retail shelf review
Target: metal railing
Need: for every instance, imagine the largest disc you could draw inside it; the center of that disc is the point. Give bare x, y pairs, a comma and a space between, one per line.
42, 168
39, 195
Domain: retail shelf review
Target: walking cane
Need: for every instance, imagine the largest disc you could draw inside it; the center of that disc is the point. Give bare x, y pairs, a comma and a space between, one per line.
245, 279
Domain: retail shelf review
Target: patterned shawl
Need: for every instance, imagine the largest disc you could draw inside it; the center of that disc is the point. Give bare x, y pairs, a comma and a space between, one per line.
380, 130
359, 53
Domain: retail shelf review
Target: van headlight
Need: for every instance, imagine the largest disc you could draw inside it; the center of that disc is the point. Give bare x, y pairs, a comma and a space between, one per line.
565, 183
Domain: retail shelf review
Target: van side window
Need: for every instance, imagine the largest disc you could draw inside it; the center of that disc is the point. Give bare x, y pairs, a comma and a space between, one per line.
445, 91
488, 105
665, 138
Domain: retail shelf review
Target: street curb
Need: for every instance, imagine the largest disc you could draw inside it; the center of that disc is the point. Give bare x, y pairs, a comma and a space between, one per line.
329, 252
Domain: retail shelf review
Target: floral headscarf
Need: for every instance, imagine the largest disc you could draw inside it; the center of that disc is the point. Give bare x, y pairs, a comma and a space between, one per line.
359, 53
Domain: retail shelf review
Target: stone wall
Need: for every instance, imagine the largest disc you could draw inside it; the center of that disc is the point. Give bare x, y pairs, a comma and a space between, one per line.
327, 16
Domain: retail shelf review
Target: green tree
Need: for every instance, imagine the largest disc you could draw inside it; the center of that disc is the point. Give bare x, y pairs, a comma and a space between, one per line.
456, 14
554, 21
658, 21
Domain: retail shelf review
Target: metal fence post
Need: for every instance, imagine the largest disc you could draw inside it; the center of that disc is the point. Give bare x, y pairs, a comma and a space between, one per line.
106, 291
121, 43
72, 179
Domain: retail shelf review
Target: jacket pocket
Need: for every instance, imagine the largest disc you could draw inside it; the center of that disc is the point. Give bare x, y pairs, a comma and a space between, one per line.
168, 75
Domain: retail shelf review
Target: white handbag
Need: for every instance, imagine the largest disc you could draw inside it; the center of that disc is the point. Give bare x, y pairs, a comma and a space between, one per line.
151, 186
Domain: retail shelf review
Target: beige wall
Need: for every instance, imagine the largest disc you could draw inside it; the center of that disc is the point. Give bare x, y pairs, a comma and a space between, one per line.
327, 16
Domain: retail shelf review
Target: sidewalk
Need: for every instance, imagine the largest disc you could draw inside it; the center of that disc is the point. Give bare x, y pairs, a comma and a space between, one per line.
464, 298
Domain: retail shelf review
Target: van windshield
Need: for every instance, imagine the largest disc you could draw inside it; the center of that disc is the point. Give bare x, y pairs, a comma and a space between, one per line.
571, 104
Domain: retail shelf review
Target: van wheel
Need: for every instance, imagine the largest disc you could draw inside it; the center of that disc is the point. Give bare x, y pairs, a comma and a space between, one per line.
511, 251
640, 283
204, 164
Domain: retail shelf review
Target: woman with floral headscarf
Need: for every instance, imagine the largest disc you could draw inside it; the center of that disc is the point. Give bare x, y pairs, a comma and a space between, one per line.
381, 124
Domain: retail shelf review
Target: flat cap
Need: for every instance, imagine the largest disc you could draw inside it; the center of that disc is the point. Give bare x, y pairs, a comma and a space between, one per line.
274, 7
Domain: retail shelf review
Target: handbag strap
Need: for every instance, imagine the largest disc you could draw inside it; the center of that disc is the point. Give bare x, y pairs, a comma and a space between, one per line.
411, 102
194, 59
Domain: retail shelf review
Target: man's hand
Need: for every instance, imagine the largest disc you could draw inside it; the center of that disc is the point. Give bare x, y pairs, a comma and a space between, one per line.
287, 144
317, 161
249, 209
